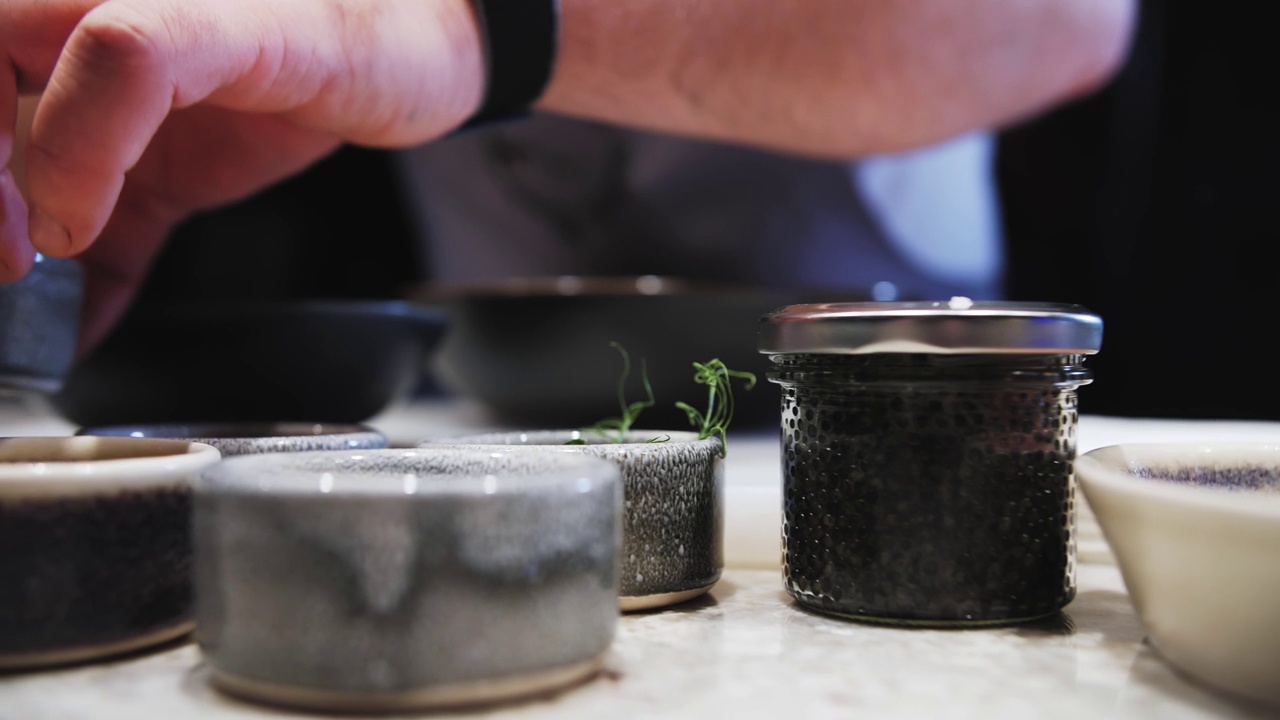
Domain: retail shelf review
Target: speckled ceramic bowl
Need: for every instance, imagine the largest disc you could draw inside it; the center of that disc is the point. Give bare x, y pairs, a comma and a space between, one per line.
673, 516
388, 580
1196, 532
254, 438
95, 548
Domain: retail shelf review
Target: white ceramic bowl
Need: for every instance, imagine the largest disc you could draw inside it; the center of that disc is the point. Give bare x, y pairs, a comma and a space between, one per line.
1196, 533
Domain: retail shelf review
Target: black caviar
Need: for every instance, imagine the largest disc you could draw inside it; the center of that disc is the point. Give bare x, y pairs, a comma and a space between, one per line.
929, 488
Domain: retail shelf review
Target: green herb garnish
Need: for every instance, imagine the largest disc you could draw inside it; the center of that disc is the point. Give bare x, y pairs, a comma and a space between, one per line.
719, 381
715, 421
616, 429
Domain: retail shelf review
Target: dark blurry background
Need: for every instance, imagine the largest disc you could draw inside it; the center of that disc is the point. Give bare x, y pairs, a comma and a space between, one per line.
1154, 204
1151, 203
339, 230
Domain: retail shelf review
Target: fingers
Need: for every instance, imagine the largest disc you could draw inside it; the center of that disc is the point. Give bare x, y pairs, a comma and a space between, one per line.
124, 68
32, 33
351, 68
115, 268
202, 156
16, 254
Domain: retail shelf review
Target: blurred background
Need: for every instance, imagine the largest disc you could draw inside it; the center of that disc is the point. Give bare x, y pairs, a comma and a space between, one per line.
1153, 203
1150, 203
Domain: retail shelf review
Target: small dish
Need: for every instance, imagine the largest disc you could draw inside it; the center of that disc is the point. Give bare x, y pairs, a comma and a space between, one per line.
95, 546
1196, 533
390, 580
673, 511
340, 361
255, 438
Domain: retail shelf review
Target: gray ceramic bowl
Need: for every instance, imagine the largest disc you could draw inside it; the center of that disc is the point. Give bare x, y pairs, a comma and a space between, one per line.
255, 438
39, 320
95, 550
673, 513
386, 580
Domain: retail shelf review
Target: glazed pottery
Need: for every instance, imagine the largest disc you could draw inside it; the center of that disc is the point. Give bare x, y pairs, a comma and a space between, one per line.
337, 361
387, 580
673, 512
1195, 530
253, 438
95, 548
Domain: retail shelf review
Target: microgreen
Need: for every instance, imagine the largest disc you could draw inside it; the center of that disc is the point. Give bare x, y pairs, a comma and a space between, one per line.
616, 429
719, 381
715, 421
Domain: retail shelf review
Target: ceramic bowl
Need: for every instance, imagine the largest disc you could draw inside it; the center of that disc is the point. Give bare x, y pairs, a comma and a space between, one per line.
95, 548
339, 361
254, 438
673, 510
39, 321
388, 580
535, 351
1196, 533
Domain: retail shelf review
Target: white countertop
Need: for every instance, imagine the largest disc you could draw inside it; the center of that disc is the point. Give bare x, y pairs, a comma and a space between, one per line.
746, 649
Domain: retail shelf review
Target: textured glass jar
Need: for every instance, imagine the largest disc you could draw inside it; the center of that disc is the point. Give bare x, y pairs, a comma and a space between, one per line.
928, 455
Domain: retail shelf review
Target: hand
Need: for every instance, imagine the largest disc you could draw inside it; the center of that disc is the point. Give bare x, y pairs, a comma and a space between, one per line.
152, 109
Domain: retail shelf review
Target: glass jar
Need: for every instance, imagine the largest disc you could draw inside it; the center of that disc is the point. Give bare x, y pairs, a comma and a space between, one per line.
928, 453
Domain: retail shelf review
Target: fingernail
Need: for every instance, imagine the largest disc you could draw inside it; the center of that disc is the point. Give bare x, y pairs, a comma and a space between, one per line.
47, 235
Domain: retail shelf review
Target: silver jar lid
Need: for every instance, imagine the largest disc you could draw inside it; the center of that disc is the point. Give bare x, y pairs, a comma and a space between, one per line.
958, 326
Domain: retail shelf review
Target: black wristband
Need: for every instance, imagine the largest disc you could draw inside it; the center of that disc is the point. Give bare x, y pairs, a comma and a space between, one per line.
520, 40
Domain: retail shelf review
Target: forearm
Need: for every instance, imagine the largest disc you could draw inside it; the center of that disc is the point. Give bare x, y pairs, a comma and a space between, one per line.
833, 78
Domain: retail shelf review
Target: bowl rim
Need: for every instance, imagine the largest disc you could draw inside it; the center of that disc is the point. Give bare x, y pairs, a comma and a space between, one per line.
344, 475
271, 310
570, 285
205, 432
54, 477
1108, 468
675, 437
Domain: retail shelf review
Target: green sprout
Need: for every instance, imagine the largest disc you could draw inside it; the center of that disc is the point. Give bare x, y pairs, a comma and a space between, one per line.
719, 381
715, 421
616, 429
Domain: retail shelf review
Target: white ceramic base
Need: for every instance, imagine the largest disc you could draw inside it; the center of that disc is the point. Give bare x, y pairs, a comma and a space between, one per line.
633, 603
84, 653
445, 696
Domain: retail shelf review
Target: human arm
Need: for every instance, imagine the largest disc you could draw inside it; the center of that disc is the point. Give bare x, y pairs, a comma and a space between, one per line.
833, 78
152, 109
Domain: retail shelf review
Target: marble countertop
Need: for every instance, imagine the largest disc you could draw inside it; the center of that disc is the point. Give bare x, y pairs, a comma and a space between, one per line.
746, 649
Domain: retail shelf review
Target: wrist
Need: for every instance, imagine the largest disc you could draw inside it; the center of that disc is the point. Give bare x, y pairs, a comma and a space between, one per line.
520, 40
460, 91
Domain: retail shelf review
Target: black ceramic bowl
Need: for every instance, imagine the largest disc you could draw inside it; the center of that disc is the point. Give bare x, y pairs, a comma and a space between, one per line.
321, 361
536, 351
95, 546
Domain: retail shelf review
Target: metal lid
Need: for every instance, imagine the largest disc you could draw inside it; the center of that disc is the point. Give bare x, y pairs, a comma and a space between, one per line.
958, 326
